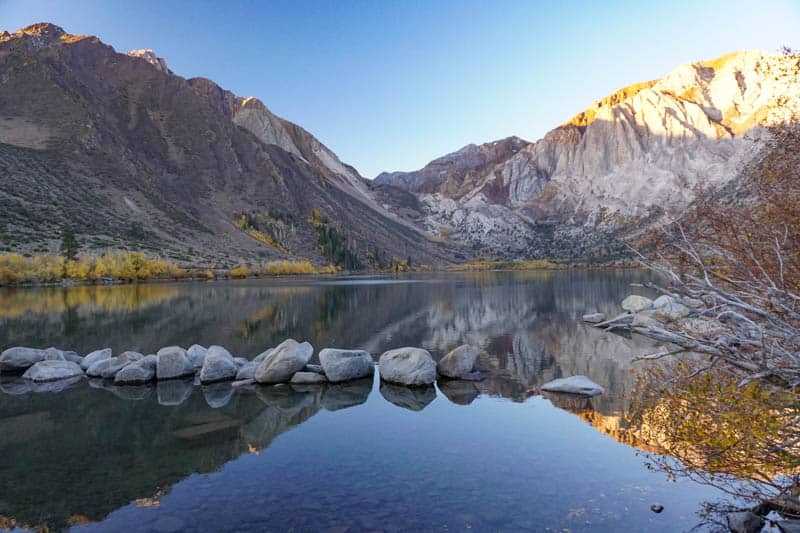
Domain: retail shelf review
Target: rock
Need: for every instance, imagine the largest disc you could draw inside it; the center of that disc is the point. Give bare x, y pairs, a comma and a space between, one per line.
308, 378
646, 319
744, 522
197, 355
458, 391
173, 391
52, 370
694, 303
218, 395
218, 366
248, 371
663, 300
635, 303
115, 364
69, 356
344, 365
284, 361
594, 318
97, 369
338, 396
263, 355
472, 376
459, 362
97, 355
314, 368
138, 372
671, 311
788, 526
240, 361
411, 398
243, 382
574, 385
656, 508
19, 358
408, 366
173, 363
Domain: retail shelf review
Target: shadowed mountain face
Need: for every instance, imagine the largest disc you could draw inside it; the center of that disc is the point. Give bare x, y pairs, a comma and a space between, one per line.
634, 158
130, 154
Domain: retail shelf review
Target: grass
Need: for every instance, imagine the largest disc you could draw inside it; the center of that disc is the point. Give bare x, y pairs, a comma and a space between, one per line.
486, 264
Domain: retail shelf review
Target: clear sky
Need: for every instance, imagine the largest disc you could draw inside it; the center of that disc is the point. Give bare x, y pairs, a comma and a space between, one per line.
390, 85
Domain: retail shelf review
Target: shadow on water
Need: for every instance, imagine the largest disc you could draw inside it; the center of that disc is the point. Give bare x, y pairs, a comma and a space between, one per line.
79, 454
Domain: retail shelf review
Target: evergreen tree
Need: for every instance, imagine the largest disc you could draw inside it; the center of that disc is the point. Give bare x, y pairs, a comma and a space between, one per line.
69, 244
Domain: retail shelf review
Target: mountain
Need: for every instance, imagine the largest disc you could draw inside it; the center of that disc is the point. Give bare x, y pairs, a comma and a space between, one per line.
133, 156
633, 159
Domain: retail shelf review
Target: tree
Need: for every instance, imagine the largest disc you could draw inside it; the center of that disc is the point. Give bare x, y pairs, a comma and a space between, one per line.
69, 244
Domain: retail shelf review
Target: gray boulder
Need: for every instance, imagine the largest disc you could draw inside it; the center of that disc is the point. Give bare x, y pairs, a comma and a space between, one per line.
594, 318
68, 355
115, 364
580, 385
263, 355
138, 372
173, 363
671, 311
240, 361
663, 300
97, 355
248, 371
284, 361
52, 370
344, 365
459, 362
97, 369
408, 366
646, 319
306, 378
635, 303
218, 366
197, 355
20, 358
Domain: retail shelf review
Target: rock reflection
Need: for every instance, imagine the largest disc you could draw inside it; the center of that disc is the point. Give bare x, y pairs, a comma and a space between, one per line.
218, 395
411, 398
459, 392
337, 396
174, 391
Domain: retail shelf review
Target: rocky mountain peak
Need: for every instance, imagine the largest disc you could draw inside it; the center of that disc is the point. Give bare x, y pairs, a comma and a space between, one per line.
148, 55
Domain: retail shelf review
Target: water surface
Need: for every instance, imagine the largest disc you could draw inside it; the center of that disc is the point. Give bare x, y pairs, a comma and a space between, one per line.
361, 456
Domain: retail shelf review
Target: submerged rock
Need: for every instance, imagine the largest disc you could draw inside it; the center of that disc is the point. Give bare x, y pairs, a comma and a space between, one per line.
459, 362
594, 318
94, 357
284, 361
408, 366
635, 303
306, 378
218, 366
574, 385
411, 398
20, 358
173, 363
344, 365
52, 370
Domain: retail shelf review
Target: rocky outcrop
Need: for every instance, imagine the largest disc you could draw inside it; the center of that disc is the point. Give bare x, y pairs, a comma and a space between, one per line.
407, 366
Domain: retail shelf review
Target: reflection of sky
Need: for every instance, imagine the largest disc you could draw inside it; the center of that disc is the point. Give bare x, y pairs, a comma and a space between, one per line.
488, 465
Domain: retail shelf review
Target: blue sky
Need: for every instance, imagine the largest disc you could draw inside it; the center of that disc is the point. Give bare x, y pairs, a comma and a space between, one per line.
390, 85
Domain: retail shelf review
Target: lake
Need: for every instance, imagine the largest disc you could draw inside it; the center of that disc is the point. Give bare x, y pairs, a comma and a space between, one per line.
361, 456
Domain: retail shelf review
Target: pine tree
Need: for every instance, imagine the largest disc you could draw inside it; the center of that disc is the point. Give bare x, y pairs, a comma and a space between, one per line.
69, 244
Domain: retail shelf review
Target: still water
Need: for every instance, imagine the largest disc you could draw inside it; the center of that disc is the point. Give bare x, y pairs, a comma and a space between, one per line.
361, 456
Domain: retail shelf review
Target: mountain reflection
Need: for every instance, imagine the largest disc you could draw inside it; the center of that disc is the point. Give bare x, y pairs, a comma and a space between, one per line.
100, 447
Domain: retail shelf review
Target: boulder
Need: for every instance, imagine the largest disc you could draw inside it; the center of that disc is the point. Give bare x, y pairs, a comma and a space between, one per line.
243, 382
646, 319
574, 385
594, 318
197, 355
263, 355
635, 303
284, 361
240, 361
459, 362
408, 366
52, 370
218, 366
248, 371
149, 361
744, 522
411, 398
173, 363
671, 311
306, 378
68, 355
344, 365
314, 368
661, 301
97, 355
138, 372
115, 364
97, 369
19, 358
